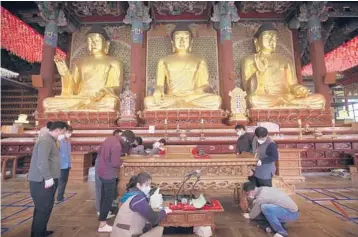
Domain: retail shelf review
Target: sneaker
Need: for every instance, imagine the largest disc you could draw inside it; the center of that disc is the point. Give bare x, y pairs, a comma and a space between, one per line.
278, 235
105, 229
268, 230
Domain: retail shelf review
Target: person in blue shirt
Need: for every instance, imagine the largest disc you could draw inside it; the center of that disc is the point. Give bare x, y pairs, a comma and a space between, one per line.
65, 160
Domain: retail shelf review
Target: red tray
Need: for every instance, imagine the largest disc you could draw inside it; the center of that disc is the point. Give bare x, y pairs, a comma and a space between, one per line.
186, 207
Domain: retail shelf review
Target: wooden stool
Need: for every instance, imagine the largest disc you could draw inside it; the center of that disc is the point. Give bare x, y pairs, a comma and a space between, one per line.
4, 160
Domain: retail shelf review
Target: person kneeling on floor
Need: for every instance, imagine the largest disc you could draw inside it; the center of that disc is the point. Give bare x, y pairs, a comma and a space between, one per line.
276, 206
135, 210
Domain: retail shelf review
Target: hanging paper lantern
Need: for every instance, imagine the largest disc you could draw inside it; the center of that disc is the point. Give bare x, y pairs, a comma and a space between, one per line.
339, 59
22, 40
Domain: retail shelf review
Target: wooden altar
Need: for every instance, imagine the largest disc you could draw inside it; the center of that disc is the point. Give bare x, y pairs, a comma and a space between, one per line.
221, 171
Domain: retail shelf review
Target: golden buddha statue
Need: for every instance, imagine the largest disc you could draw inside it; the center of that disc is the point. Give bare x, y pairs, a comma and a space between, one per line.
270, 79
182, 79
95, 81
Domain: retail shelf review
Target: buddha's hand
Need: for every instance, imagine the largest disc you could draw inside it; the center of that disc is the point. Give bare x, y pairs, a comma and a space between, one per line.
62, 67
300, 91
157, 95
98, 96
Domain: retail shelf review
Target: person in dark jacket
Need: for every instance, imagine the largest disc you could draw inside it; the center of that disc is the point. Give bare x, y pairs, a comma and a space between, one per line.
45, 169
135, 210
244, 142
265, 150
108, 165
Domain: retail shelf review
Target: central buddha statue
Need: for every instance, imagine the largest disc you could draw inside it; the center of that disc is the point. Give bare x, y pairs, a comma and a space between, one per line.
270, 79
182, 79
95, 81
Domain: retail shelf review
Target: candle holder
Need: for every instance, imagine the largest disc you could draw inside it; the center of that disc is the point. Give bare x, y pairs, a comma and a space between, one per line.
334, 135
300, 128
178, 127
166, 128
202, 135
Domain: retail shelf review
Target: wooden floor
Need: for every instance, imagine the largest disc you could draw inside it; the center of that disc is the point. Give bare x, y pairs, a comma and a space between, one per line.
328, 208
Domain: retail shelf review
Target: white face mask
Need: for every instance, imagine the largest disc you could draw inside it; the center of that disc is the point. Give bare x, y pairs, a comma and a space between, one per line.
60, 137
145, 190
261, 141
68, 135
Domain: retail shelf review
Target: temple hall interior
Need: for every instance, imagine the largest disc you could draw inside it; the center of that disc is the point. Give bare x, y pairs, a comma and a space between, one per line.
179, 118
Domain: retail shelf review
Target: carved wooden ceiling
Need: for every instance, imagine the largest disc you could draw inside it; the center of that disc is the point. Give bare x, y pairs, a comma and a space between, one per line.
342, 23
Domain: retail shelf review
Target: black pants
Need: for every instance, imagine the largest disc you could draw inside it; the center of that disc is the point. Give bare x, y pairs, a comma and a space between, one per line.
108, 188
43, 199
263, 182
62, 182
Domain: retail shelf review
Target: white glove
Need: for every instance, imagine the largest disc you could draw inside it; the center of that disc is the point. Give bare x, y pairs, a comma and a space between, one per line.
167, 210
49, 183
259, 163
246, 215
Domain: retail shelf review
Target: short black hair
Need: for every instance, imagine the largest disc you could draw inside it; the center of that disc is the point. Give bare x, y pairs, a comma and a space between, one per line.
249, 186
240, 126
163, 141
48, 125
139, 140
261, 132
129, 134
117, 131
58, 125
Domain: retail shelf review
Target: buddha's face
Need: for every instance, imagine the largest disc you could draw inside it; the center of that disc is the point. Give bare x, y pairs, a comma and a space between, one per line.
266, 41
182, 40
97, 44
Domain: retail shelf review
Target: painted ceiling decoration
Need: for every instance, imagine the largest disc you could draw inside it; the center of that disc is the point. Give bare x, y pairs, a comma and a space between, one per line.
265, 6
175, 8
96, 8
8, 74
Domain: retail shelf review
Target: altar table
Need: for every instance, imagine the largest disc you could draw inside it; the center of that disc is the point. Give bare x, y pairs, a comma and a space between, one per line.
221, 171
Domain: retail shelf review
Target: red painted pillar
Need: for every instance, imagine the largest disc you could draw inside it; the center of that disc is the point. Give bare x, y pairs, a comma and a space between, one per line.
314, 35
226, 67
297, 56
47, 70
137, 82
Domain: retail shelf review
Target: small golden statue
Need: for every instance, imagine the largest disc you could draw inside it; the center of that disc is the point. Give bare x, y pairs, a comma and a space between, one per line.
270, 78
182, 79
95, 81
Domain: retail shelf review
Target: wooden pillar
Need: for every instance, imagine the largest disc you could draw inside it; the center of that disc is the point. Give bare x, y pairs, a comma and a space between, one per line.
223, 22
317, 54
297, 56
47, 70
138, 16
226, 67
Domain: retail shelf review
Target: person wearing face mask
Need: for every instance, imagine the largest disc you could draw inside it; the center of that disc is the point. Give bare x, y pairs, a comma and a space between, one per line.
158, 147
109, 162
265, 150
45, 169
244, 141
137, 147
135, 210
65, 156
276, 207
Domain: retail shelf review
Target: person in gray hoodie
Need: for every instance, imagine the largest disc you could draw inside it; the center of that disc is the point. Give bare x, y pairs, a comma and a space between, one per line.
275, 205
265, 150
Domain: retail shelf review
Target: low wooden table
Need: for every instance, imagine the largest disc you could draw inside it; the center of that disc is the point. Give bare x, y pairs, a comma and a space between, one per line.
180, 218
